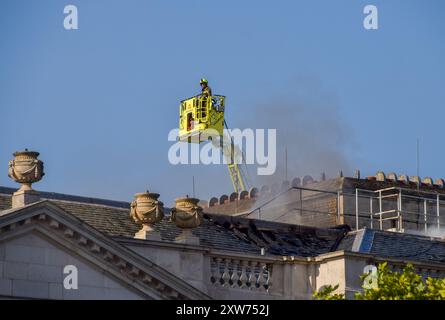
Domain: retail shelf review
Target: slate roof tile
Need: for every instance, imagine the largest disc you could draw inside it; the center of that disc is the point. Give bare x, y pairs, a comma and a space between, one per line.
248, 236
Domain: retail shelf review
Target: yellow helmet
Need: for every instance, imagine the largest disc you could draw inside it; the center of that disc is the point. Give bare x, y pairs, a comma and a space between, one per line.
203, 80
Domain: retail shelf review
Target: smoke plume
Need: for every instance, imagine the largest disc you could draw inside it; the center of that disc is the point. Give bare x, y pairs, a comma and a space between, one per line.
312, 131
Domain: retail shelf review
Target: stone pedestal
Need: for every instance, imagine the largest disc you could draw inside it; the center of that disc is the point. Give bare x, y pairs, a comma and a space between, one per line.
22, 198
187, 237
148, 233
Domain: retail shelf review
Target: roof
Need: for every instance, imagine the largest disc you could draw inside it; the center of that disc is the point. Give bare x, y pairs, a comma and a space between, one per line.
395, 245
140, 274
284, 239
216, 232
333, 185
249, 236
372, 184
66, 197
116, 222
318, 208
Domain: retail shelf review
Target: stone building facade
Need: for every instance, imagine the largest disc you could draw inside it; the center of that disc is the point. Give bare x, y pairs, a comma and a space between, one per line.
233, 258
57, 246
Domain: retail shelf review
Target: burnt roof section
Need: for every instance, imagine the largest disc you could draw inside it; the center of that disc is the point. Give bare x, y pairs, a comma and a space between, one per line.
248, 236
217, 231
283, 239
314, 204
116, 222
347, 243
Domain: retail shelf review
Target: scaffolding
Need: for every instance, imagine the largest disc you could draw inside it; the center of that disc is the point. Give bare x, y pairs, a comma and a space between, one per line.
397, 209
392, 209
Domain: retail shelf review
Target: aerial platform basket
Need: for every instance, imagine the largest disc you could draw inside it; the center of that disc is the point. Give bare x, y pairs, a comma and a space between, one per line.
201, 117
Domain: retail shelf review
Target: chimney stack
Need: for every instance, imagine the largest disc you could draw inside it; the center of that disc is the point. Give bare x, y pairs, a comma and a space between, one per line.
26, 169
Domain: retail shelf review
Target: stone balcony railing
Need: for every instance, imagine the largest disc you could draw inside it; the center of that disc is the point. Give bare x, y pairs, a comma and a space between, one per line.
233, 272
424, 270
236, 276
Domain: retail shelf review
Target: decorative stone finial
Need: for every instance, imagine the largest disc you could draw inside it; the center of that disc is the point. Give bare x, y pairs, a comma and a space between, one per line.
439, 183
308, 179
380, 176
392, 177
26, 169
253, 193
404, 179
415, 179
296, 182
147, 210
186, 214
428, 181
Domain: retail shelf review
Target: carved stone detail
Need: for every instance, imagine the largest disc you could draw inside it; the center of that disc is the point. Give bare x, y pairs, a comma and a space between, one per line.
26, 169
146, 209
187, 214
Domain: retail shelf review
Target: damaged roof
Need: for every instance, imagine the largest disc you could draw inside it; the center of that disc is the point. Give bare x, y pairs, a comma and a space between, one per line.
216, 232
283, 239
249, 236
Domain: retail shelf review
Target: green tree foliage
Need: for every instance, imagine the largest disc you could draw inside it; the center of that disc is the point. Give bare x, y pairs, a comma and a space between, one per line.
405, 285
389, 285
327, 293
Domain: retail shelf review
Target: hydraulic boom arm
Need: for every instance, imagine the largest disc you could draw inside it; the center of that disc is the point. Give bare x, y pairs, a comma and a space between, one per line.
233, 157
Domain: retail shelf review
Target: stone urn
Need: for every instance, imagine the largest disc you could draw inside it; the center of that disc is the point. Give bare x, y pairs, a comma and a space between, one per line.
146, 209
186, 214
26, 169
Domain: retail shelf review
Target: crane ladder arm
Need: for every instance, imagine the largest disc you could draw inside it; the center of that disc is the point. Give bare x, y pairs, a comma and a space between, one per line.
232, 155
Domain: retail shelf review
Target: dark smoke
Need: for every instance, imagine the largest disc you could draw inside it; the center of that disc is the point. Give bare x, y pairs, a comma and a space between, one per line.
314, 133
308, 123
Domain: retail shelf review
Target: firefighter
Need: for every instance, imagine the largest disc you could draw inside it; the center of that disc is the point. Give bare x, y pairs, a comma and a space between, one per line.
206, 91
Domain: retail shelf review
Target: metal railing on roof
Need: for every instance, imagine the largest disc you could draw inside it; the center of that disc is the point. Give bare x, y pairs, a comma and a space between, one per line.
393, 208
397, 205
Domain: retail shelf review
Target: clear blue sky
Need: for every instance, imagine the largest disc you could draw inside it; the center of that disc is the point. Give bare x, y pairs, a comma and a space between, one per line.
98, 102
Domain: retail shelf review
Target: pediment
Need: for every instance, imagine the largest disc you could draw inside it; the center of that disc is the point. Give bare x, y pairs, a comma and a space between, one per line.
49, 223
